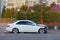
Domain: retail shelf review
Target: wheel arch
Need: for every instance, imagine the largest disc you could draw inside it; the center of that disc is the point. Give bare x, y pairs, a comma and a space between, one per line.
39, 29
15, 28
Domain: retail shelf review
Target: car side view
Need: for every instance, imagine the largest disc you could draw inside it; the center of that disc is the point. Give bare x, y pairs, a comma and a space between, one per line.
26, 26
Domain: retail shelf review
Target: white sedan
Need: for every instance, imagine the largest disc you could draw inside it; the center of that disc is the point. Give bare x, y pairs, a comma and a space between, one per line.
25, 26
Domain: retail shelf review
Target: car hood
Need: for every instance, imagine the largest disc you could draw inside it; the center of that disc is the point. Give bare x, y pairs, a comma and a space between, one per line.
41, 25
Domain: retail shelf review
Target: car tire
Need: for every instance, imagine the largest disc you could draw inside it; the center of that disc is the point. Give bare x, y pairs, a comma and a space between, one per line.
15, 30
45, 31
42, 31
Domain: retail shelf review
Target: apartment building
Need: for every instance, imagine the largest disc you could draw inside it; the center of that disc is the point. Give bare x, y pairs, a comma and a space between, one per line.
50, 1
1, 6
19, 3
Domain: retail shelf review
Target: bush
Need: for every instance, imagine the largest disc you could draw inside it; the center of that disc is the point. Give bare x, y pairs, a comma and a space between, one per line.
53, 4
48, 14
52, 16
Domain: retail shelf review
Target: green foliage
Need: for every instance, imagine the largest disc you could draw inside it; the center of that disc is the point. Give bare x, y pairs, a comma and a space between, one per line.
20, 16
48, 14
53, 4
35, 16
52, 16
8, 13
23, 8
37, 7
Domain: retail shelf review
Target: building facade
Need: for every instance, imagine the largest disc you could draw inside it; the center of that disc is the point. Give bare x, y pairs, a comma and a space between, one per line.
48, 2
1, 6
19, 3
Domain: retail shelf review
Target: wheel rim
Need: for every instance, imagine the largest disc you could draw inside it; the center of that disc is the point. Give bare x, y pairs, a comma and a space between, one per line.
41, 30
15, 30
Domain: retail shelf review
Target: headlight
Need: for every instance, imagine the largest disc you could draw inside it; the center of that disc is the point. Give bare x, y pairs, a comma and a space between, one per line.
45, 27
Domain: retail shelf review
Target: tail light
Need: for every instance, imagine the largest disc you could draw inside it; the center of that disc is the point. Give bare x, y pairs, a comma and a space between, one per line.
8, 25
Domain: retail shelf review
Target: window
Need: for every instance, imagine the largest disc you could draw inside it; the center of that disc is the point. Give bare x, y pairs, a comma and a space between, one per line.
24, 23
10, 0
58, 1
10, 4
42, 1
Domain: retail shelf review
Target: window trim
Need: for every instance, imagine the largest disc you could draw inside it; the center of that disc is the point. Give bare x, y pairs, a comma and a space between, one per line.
25, 24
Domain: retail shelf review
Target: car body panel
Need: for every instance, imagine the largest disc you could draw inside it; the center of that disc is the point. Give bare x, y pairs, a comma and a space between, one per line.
24, 28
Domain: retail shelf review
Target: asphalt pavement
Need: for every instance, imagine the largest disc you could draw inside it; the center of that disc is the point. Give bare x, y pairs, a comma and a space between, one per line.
51, 35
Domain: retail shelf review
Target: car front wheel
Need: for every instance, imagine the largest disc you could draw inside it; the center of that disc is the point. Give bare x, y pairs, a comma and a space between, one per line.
42, 31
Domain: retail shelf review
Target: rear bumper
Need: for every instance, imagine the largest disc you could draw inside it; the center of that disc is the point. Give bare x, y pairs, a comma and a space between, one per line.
8, 30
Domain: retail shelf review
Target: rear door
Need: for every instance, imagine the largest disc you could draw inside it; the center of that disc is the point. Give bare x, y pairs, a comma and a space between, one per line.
21, 25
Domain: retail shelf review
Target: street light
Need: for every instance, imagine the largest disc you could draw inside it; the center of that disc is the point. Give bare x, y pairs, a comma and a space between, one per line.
32, 11
18, 11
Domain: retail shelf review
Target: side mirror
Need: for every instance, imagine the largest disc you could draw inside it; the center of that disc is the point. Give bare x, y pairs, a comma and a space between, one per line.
33, 25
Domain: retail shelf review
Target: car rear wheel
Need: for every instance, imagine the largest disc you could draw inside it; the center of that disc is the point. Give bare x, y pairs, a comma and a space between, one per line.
15, 30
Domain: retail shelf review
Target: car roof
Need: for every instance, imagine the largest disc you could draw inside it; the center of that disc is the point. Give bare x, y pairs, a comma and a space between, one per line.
23, 20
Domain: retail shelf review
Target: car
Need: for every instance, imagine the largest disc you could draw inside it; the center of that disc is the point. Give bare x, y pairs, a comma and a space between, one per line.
26, 26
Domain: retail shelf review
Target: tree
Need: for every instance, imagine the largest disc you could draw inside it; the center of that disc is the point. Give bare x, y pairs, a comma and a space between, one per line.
20, 16
32, 13
35, 15
52, 16
9, 13
53, 4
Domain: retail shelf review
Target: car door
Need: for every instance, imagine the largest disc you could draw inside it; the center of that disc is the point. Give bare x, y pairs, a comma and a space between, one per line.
27, 26
21, 25
31, 27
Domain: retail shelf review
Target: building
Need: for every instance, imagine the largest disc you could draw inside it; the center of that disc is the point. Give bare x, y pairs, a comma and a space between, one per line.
1, 6
50, 2
19, 3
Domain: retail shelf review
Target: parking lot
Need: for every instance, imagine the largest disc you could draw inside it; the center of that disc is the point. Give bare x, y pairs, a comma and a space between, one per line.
51, 35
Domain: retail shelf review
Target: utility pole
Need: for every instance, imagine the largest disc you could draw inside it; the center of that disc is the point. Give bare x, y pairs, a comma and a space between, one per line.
42, 10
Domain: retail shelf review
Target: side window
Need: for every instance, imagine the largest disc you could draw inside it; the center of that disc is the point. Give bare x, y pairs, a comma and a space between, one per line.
21, 22
24, 23
29, 23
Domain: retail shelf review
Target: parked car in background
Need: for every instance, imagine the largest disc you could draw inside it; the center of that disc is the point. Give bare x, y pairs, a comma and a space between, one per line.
26, 26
